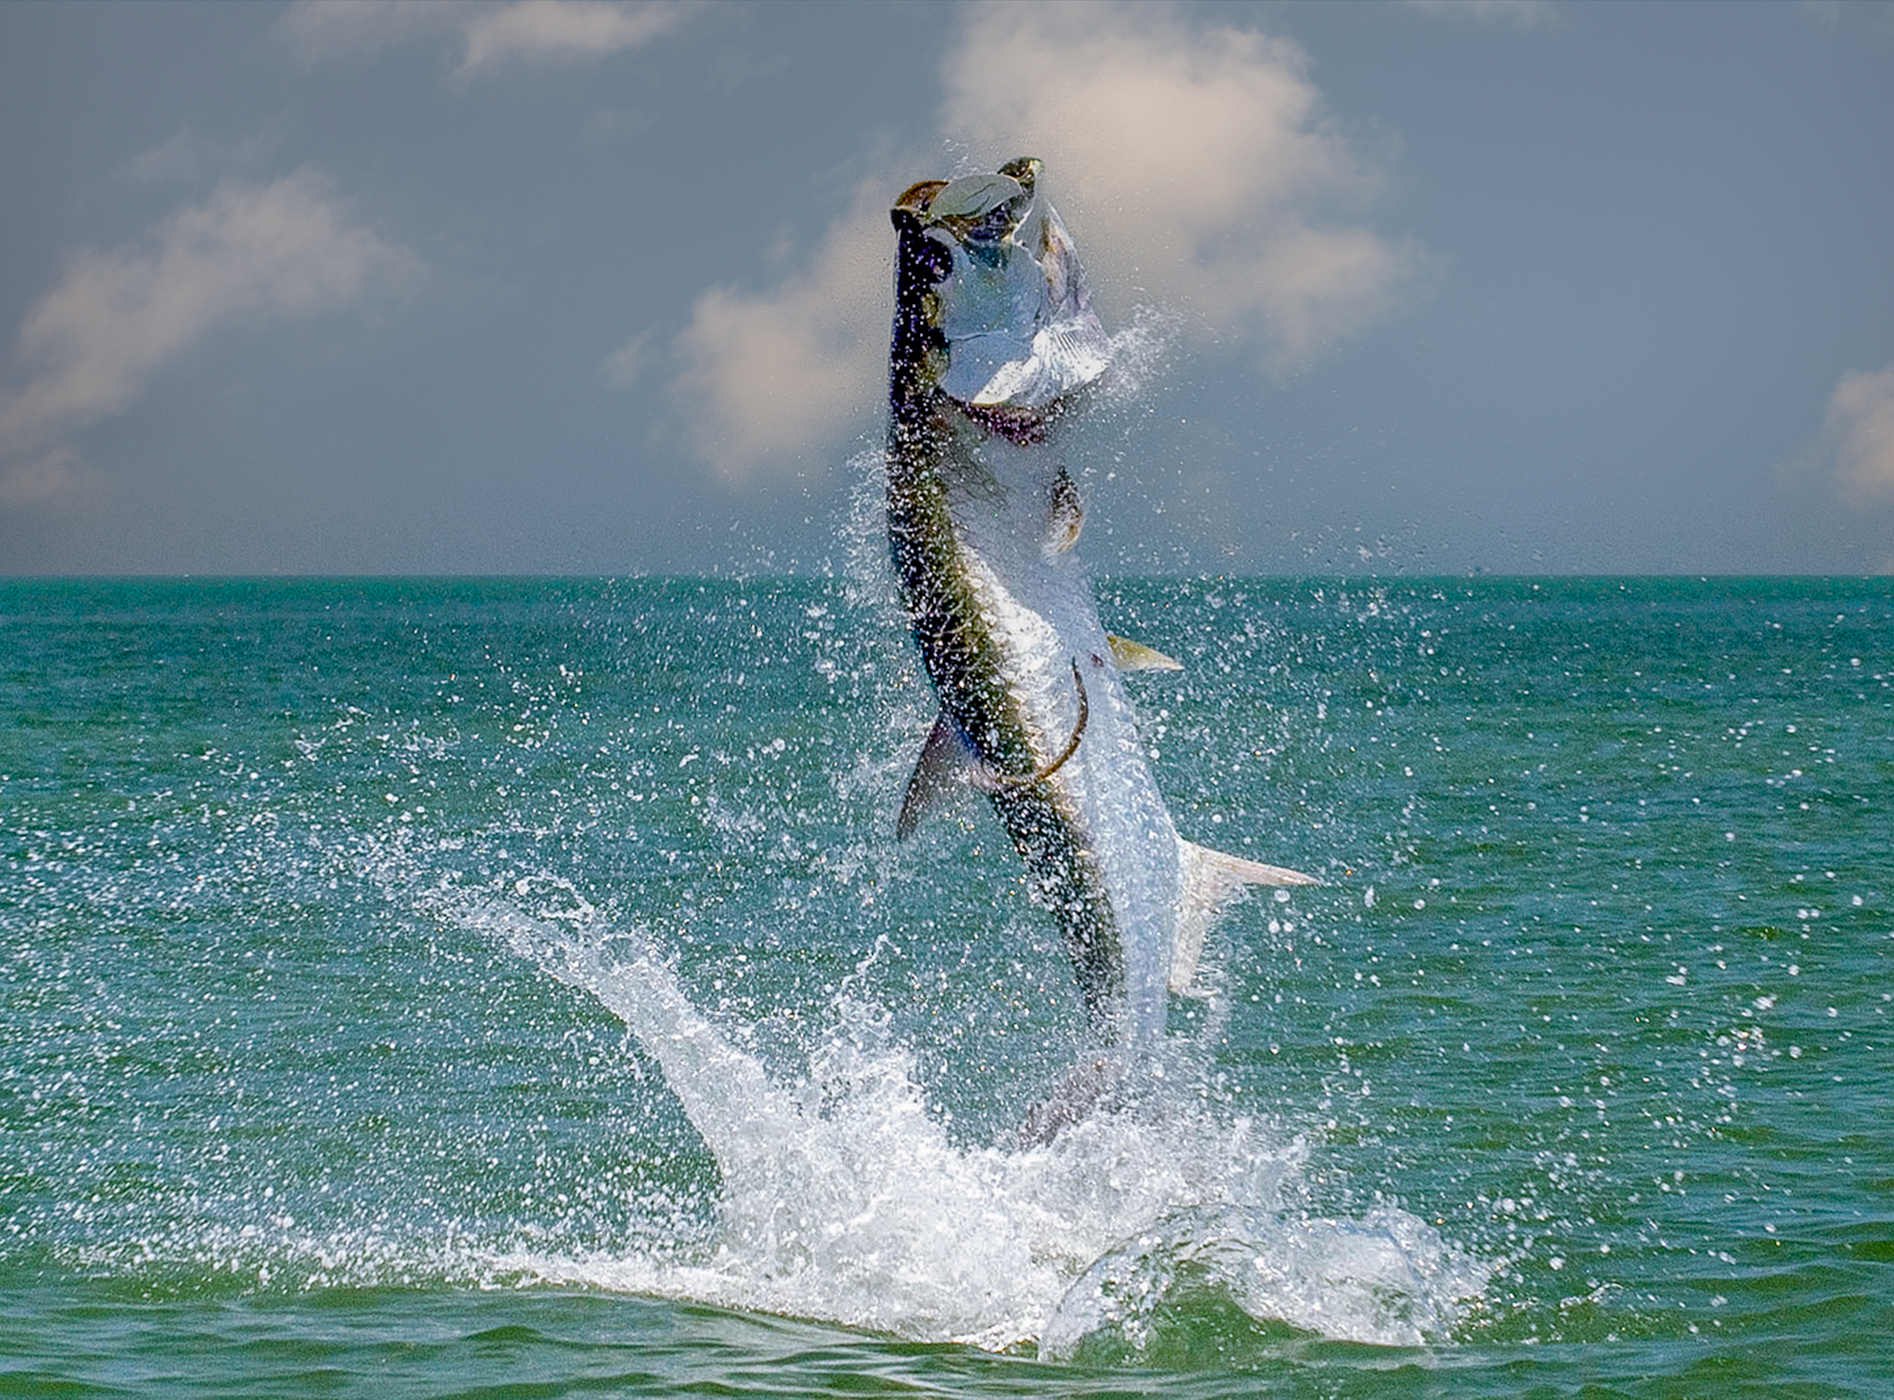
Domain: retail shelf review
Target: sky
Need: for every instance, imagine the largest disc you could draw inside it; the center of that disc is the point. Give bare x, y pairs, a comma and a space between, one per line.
574, 287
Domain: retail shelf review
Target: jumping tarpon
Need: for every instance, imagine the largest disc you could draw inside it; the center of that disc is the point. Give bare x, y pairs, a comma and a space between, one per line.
994, 343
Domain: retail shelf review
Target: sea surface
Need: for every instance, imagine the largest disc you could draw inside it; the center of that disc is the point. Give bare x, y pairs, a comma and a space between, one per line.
513, 988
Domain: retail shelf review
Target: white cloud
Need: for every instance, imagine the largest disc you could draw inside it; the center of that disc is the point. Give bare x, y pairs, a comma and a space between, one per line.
247, 253
772, 374
1193, 163
1523, 14
1859, 433
609, 124
53, 480
316, 30
183, 157
487, 36
187, 158
1833, 14
552, 30
627, 363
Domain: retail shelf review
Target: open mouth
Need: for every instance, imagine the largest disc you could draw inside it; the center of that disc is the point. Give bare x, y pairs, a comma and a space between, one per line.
1013, 306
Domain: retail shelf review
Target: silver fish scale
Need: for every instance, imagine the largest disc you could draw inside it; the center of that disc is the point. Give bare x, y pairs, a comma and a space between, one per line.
993, 335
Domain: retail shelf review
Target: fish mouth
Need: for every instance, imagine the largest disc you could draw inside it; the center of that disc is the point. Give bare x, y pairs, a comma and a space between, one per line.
1012, 307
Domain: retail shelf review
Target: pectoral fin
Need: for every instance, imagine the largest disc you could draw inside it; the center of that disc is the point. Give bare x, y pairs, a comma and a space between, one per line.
948, 761
946, 764
1090, 1086
1136, 656
1211, 880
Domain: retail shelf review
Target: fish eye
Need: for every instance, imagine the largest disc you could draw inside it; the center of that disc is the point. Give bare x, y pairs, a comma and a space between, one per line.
995, 226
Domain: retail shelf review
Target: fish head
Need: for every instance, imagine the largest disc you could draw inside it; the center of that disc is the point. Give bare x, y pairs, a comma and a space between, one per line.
1005, 300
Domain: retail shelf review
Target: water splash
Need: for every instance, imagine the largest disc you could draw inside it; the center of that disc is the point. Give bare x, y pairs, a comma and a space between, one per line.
1386, 1279
845, 1197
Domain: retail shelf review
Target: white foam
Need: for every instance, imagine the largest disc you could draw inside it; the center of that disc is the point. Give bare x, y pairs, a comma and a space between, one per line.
845, 1198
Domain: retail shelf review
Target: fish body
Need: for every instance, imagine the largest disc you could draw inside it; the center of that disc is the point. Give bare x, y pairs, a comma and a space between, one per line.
994, 342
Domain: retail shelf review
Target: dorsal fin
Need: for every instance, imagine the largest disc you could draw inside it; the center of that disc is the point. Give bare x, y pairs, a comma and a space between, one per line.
1211, 880
1136, 656
949, 759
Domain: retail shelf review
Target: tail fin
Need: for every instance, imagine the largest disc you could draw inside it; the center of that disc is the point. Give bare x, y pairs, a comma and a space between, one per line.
1211, 880
1091, 1085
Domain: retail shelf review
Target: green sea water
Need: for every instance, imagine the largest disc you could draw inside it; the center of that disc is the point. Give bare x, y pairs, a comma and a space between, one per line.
514, 988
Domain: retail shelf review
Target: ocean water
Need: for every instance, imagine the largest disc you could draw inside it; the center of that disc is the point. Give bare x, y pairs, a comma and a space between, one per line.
513, 988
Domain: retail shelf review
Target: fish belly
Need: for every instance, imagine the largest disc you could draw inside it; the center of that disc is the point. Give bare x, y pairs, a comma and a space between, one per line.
1096, 834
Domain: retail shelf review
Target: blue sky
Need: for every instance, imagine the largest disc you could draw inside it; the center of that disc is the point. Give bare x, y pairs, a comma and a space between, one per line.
576, 287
